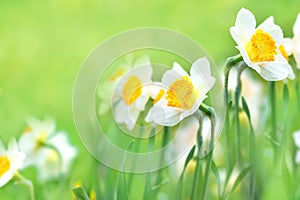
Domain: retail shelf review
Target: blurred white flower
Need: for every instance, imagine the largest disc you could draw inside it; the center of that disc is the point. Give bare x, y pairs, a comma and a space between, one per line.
11, 161
255, 96
106, 88
183, 94
296, 137
262, 48
293, 45
132, 95
186, 136
46, 149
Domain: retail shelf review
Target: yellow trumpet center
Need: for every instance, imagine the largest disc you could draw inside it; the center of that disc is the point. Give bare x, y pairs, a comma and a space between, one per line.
132, 89
182, 94
283, 52
261, 47
159, 96
4, 165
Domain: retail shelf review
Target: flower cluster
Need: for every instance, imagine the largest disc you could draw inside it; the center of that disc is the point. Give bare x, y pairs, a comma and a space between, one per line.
41, 146
176, 97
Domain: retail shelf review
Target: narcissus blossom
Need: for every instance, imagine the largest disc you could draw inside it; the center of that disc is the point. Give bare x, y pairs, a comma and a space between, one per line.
183, 93
262, 47
11, 161
105, 91
132, 95
293, 45
47, 149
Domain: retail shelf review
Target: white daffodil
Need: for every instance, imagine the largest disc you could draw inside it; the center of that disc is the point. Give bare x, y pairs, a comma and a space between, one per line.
293, 45
105, 89
184, 93
262, 48
11, 161
296, 137
132, 95
48, 150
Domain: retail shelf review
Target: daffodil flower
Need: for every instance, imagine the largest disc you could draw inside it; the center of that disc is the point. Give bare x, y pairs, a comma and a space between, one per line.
262, 48
132, 95
293, 45
47, 149
183, 94
296, 137
11, 161
105, 90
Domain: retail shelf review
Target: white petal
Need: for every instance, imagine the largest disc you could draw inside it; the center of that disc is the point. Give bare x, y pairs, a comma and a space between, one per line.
121, 112
273, 71
5, 178
244, 27
297, 159
133, 116
296, 136
165, 115
274, 30
194, 108
296, 28
288, 45
177, 67
246, 19
201, 74
169, 77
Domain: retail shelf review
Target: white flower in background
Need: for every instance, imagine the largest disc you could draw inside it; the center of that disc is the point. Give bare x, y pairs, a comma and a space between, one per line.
184, 93
11, 161
293, 45
132, 95
47, 149
296, 137
186, 136
255, 95
262, 48
106, 88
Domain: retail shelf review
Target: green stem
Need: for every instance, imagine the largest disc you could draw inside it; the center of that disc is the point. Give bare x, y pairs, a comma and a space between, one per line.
230, 62
27, 183
236, 103
273, 116
209, 157
164, 142
198, 174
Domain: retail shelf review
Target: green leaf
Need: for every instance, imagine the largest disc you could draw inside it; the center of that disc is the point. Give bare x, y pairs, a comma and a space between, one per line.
189, 157
217, 175
122, 192
286, 97
240, 178
80, 193
246, 108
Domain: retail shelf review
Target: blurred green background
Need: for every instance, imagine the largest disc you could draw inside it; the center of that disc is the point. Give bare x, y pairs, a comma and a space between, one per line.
43, 44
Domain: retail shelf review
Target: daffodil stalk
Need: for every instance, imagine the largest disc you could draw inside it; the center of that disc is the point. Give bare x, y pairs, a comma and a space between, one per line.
198, 171
252, 149
273, 116
164, 142
210, 112
27, 183
230, 62
237, 95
